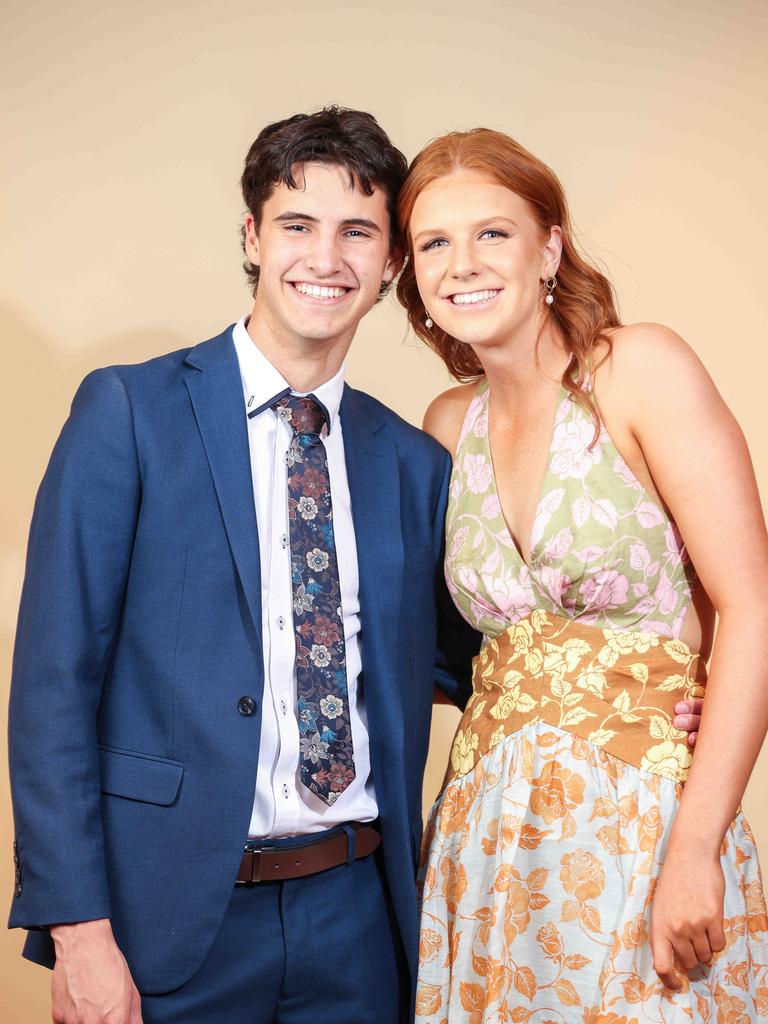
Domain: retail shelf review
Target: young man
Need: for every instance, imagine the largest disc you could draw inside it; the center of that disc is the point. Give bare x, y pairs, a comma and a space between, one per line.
227, 643
227, 638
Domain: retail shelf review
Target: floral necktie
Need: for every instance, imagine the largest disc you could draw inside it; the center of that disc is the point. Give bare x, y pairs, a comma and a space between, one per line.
326, 757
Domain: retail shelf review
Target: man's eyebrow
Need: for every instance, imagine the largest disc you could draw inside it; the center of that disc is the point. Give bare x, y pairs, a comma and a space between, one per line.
361, 222
294, 215
349, 222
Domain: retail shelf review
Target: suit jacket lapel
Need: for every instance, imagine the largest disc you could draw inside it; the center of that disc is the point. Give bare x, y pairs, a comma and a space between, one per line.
216, 391
374, 486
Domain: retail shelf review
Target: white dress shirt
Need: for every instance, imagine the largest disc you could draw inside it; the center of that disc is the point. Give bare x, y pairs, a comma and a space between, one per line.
282, 806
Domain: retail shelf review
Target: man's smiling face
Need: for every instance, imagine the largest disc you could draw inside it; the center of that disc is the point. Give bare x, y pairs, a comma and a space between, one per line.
323, 250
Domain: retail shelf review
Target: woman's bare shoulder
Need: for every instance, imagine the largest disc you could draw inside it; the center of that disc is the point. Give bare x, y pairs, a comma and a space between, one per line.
648, 354
649, 346
445, 415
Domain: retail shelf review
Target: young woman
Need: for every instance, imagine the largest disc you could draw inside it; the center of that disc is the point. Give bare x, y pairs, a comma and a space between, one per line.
602, 509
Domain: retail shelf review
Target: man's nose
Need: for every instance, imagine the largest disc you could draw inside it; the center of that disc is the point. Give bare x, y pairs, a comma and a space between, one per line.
323, 257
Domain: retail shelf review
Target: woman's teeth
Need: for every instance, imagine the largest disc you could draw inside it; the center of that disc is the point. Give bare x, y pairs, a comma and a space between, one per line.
467, 298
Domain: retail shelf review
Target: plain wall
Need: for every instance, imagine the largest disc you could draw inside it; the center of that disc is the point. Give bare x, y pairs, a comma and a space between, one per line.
123, 131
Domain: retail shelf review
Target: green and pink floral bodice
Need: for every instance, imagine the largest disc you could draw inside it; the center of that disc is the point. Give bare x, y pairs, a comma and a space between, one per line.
603, 550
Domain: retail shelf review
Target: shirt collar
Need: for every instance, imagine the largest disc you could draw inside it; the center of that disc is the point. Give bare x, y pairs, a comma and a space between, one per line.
263, 384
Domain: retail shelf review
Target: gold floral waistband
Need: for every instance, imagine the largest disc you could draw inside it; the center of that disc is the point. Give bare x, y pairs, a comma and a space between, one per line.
614, 689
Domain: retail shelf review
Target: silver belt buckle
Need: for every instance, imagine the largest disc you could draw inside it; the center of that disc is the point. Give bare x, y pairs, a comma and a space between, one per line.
256, 853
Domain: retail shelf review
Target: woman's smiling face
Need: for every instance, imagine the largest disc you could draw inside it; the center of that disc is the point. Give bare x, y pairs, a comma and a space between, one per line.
479, 257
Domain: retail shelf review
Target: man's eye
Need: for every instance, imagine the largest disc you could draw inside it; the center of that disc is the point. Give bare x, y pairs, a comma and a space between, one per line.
356, 233
296, 227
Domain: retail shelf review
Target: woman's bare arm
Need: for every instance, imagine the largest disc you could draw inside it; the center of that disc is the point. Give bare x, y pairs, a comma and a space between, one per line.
699, 460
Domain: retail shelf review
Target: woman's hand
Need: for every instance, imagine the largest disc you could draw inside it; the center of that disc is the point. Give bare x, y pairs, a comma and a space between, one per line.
687, 914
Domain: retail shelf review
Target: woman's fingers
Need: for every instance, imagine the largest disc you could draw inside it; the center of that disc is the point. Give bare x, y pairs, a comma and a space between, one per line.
664, 964
687, 917
702, 948
686, 954
716, 936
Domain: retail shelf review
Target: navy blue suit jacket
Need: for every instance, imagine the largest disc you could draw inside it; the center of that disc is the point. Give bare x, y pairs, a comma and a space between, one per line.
140, 630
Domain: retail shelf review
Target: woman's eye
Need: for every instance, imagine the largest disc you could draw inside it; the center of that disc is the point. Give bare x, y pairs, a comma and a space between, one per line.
434, 244
494, 233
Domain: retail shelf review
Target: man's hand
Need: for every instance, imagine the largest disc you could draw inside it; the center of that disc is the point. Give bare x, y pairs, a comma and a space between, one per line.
688, 717
91, 982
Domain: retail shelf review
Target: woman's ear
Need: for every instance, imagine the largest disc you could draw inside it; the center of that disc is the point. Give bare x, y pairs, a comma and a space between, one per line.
552, 252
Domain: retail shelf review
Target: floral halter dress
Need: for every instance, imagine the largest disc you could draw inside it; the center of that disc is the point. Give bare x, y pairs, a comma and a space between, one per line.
542, 851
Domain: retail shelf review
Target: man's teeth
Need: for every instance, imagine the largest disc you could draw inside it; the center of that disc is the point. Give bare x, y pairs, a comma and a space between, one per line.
319, 292
465, 298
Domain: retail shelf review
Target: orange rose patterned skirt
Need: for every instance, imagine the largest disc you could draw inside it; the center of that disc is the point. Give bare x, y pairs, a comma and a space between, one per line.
542, 851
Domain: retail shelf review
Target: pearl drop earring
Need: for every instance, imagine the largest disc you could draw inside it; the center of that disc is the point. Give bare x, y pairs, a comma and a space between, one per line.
428, 323
550, 284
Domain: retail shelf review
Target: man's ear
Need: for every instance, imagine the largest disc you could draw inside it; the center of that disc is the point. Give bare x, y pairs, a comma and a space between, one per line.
394, 264
251, 239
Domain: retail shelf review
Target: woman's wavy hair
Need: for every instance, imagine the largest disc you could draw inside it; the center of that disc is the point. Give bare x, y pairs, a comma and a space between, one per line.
584, 305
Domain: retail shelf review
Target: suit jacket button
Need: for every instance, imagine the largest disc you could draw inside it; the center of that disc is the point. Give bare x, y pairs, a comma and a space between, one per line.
246, 705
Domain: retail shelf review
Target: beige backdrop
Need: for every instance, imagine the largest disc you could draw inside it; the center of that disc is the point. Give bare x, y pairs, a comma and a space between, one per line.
124, 127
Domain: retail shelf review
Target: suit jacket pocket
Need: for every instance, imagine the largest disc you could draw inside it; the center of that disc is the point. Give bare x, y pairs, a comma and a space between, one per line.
136, 776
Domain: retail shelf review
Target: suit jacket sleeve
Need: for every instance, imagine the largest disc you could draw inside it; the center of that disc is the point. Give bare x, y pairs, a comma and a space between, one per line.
77, 568
457, 642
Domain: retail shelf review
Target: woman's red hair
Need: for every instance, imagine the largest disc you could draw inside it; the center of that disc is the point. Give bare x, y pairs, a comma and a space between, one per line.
584, 307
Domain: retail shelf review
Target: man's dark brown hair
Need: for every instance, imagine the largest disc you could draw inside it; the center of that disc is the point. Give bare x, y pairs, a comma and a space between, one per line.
352, 139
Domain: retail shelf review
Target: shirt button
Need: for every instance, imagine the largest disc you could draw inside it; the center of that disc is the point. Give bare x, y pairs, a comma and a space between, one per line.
285, 790
284, 541
246, 706
283, 707
280, 621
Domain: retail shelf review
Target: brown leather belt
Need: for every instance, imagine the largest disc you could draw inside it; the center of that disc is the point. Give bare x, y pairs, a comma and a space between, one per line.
270, 864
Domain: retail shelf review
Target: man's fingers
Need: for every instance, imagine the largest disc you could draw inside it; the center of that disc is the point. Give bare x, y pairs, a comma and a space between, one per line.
137, 997
692, 706
690, 723
688, 718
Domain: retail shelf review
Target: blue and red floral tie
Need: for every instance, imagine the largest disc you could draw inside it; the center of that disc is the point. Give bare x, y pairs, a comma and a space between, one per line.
326, 757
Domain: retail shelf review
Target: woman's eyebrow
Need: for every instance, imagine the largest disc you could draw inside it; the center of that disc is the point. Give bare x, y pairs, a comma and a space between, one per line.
479, 224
